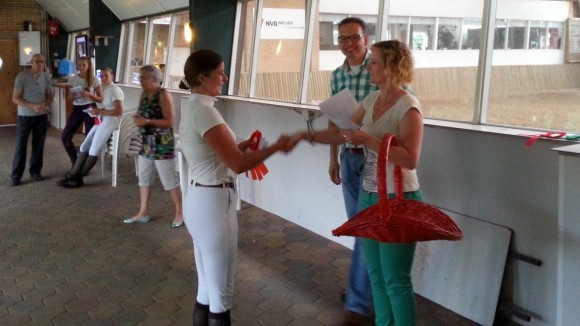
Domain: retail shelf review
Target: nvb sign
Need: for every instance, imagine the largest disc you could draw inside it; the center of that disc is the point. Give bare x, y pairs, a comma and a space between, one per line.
278, 23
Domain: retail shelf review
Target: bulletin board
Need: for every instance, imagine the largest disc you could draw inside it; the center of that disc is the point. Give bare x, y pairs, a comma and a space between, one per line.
573, 42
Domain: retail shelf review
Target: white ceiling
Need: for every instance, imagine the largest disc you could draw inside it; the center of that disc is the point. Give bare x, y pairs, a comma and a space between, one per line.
74, 14
128, 9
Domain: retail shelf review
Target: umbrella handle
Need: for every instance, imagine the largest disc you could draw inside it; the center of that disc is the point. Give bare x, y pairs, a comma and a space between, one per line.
383, 159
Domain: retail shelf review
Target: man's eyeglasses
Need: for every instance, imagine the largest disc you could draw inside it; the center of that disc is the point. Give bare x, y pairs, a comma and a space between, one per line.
353, 38
38, 61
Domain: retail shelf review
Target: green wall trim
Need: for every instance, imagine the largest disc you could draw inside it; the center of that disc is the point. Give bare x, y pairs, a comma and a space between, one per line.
213, 24
103, 22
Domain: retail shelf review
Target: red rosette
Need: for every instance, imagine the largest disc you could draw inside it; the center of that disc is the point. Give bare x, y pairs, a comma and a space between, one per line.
261, 170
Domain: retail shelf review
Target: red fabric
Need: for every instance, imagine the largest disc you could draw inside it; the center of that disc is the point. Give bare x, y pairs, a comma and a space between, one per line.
261, 170
534, 138
398, 220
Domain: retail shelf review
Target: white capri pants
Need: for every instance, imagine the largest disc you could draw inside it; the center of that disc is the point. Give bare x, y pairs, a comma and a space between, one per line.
165, 170
99, 135
211, 218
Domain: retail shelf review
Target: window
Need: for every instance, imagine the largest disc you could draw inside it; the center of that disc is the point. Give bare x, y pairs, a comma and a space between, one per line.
422, 33
326, 56
398, 29
529, 83
159, 41
240, 81
136, 51
470, 35
179, 51
448, 34
280, 50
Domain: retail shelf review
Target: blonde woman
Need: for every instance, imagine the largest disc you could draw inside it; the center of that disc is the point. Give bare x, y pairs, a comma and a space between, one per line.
84, 91
390, 110
108, 111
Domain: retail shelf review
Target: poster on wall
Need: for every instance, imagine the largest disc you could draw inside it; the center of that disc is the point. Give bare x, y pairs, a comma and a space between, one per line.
81, 46
573, 44
280, 23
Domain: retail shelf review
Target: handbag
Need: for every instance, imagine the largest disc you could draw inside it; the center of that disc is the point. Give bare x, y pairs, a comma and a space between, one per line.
398, 220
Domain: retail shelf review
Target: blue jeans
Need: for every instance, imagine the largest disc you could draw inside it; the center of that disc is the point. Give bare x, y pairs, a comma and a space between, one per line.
359, 294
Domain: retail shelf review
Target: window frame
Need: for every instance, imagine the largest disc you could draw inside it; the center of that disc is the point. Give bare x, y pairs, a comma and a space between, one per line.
126, 49
485, 50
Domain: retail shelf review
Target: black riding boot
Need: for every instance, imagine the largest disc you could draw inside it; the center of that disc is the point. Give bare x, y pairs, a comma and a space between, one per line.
74, 179
89, 164
79, 164
220, 319
200, 314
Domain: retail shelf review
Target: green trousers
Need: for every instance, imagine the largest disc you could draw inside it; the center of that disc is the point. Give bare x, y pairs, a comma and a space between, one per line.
389, 266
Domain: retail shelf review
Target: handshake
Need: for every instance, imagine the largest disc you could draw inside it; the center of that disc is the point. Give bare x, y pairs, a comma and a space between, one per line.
286, 143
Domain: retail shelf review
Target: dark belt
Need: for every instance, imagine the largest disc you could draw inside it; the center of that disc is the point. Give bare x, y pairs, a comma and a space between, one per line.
221, 185
355, 150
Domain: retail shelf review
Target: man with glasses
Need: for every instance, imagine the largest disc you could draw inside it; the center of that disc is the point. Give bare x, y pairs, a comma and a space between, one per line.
352, 75
33, 95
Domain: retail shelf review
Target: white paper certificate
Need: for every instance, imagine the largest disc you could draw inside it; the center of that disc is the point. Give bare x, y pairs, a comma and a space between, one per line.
339, 108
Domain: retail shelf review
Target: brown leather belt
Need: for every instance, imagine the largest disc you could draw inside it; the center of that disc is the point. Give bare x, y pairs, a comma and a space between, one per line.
356, 150
221, 185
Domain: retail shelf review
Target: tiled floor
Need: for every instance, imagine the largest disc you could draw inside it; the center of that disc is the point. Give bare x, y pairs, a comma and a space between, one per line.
66, 258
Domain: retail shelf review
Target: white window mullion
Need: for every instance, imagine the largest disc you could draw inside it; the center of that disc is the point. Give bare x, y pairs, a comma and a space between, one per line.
148, 40
233, 76
130, 40
255, 48
485, 59
119, 70
311, 9
383, 21
171, 41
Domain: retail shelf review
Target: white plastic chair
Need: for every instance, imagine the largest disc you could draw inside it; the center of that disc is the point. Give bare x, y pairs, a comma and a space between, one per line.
125, 140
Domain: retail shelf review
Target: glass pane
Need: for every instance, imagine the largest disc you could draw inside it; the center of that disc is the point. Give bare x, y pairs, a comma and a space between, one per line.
399, 29
538, 35
179, 52
532, 85
281, 47
448, 33
445, 46
137, 56
241, 85
159, 42
470, 33
422, 29
516, 34
500, 33
326, 55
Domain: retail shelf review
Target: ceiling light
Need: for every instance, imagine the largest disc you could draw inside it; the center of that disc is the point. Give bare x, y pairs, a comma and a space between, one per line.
187, 32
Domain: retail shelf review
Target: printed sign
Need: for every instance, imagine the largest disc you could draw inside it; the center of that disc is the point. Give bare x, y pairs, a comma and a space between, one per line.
279, 23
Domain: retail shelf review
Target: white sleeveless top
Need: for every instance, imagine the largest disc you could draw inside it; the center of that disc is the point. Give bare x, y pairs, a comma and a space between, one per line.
388, 123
